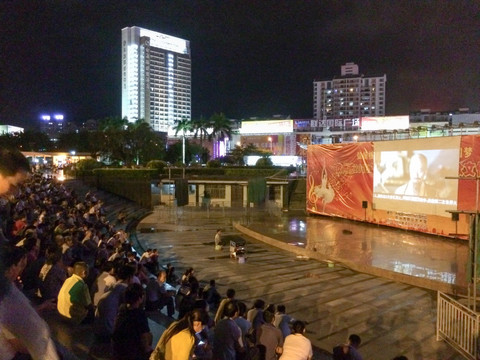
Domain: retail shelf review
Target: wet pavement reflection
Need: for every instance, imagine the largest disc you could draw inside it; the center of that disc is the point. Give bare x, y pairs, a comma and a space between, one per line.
415, 254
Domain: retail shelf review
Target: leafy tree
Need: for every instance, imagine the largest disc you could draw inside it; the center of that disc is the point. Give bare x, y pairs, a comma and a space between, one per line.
126, 142
78, 141
113, 144
251, 149
9, 141
156, 164
174, 153
142, 144
193, 153
88, 164
95, 140
236, 156
30, 140
264, 162
112, 122
214, 164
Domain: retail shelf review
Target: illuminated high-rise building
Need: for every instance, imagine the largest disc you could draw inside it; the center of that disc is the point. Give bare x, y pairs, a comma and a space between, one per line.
350, 95
156, 78
52, 125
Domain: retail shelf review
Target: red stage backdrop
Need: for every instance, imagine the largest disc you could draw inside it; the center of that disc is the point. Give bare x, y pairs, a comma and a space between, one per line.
340, 179
469, 168
411, 184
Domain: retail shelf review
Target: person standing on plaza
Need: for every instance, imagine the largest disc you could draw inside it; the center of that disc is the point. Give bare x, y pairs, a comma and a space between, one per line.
178, 341
296, 345
218, 239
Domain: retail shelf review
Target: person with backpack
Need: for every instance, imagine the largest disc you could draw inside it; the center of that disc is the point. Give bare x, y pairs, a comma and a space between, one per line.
348, 351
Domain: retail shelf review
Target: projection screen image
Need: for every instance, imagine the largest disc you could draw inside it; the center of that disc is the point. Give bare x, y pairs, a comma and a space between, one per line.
410, 179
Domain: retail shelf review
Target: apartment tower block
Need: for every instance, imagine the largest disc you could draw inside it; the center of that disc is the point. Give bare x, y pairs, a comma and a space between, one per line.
350, 95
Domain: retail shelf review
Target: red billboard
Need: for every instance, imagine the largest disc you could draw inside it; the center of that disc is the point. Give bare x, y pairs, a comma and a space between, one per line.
340, 179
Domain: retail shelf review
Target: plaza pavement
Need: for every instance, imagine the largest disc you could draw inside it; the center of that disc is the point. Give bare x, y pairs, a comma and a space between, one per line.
392, 318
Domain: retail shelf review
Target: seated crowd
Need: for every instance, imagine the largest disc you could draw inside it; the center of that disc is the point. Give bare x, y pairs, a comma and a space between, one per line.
60, 250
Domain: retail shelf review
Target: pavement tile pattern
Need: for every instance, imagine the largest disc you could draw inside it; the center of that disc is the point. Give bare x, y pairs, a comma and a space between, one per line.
391, 317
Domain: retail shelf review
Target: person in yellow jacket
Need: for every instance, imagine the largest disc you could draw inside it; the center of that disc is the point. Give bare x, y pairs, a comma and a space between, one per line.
178, 341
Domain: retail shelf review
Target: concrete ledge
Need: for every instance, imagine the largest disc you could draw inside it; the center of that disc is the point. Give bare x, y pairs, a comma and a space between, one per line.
387, 274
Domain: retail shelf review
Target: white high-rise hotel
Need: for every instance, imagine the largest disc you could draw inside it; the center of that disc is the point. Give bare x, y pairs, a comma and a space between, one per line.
349, 96
156, 78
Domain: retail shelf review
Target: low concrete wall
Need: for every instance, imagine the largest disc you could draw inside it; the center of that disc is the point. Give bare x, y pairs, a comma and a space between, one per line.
137, 190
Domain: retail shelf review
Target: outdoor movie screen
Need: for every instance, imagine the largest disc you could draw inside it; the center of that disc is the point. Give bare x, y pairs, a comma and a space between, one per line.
411, 179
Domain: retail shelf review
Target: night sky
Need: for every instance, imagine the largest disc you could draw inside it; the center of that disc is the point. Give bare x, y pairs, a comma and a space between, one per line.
249, 58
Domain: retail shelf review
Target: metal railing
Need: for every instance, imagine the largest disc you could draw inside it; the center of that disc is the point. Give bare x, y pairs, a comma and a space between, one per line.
457, 325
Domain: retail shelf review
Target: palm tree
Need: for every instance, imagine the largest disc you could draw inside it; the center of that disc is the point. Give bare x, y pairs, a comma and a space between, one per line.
221, 126
221, 129
183, 125
112, 122
200, 128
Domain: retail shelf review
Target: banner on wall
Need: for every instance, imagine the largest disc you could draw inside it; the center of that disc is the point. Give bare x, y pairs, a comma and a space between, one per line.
339, 179
469, 171
302, 142
412, 184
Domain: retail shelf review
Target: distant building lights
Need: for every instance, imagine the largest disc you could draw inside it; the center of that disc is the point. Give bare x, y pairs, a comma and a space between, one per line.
58, 117
45, 117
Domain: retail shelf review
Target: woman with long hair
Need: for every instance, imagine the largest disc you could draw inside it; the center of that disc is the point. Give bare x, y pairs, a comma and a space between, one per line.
178, 341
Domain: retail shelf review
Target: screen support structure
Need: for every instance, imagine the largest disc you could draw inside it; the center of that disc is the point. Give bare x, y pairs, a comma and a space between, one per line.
473, 242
